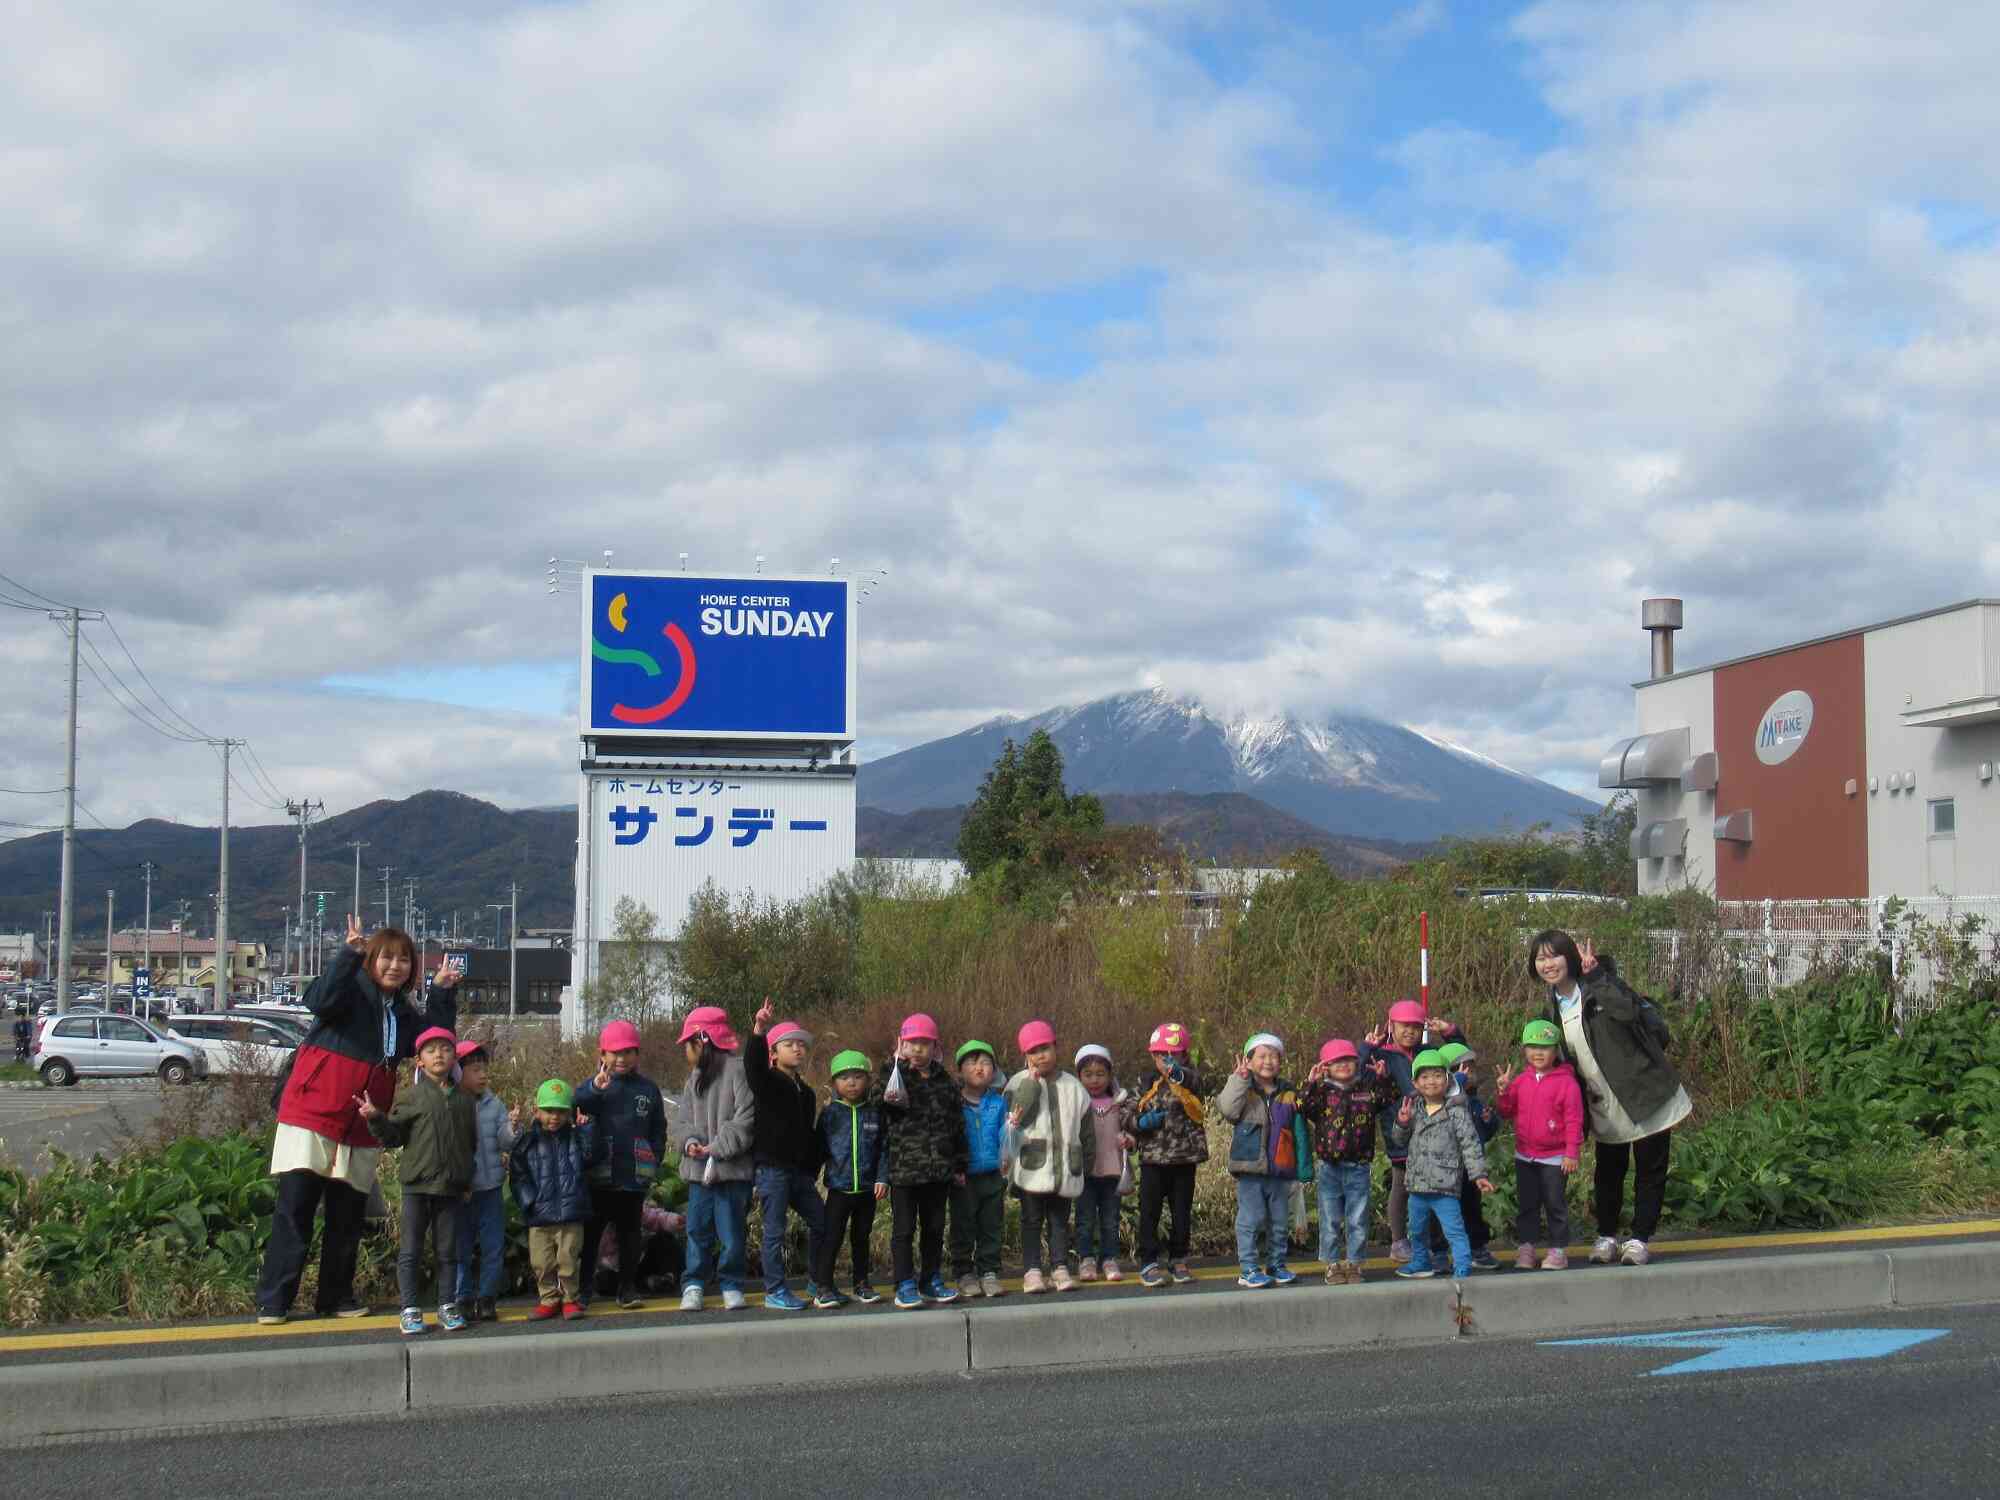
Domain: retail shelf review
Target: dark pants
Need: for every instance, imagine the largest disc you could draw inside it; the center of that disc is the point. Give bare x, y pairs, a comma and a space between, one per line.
852, 1215
1648, 1159
661, 1261
482, 1235
1542, 1191
433, 1217
925, 1202
978, 1213
781, 1190
1174, 1187
299, 1197
1037, 1210
1097, 1219
621, 1211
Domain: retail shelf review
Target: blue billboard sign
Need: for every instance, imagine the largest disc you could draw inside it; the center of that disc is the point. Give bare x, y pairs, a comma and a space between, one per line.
668, 655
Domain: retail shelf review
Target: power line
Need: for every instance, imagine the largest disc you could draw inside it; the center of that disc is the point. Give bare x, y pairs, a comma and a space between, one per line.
191, 726
150, 723
47, 602
263, 776
21, 791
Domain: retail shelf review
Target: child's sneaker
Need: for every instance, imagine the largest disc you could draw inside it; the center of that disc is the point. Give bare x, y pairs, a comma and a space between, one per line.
1181, 1273
1150, 1274
782, 1300
1032, 1282
543, 1311
865, 1294
1283, 1276
487, 1310
989, 1285
732, 1299
630, 1299
691, 1297
907, 1296
1415, 1273
1336, 1274
1556, 1260
1524, 1258
811, 1293
1635, 1253
1256, 1281
450, 1319
828, 1297
413, 1321
968, 1286
1112, 1272
268, 1319
1399, 1251
1061, 1280
1482, 1260
935, 1290
351, 1309
1353, 1272
574, 1310
1086, 1269
1605, 1251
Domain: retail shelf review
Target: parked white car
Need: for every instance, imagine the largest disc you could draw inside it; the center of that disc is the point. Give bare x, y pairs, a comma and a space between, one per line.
89, 1045
235, 1044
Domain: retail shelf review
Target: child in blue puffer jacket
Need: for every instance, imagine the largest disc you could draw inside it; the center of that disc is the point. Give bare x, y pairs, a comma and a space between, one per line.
979, 1204
550, 1169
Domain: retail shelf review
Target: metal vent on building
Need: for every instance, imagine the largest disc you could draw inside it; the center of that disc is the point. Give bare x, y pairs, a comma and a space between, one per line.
1733, 827
1701, 772
1665, 838
1645, 760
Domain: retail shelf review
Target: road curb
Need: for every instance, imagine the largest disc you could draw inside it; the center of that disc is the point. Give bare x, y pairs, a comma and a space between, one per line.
149, 1393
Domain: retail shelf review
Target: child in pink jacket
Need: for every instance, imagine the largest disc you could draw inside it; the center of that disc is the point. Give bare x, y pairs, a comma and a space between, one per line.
1546, 1105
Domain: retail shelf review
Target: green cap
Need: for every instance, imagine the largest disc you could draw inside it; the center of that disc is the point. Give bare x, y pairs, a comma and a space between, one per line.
849, 1061
1540, 1034
1451, 1052
1430, 1059
966, 1049
554, 1094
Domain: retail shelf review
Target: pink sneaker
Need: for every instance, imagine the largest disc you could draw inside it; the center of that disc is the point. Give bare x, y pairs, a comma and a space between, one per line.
1111, 1271
1556, 1260
1061, 1280
1032, 1283
1524, 1258
1086, 1269
1399, 1251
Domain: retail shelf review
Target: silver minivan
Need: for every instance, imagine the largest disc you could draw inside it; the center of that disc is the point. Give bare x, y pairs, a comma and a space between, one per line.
94, 1046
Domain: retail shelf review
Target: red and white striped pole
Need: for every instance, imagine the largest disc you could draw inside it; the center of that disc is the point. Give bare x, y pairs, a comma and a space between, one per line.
1424, 959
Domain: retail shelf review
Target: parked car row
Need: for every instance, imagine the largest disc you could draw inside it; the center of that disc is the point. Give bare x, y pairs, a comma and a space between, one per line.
179, 1048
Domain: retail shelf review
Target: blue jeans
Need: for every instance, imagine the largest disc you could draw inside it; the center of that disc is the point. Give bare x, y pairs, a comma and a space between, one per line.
1343, 1199
779, 1189
1263, 1206
482, 1226
718, 1224
1097, 1219
1444, 1208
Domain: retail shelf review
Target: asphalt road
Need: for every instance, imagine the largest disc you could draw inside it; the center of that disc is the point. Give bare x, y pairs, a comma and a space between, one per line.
1508, 1417
82, 1121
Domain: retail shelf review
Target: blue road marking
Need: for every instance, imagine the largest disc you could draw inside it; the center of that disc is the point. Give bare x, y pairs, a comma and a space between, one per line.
1759, 1346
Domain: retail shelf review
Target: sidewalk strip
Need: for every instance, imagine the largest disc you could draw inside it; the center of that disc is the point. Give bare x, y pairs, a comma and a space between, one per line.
171, 1333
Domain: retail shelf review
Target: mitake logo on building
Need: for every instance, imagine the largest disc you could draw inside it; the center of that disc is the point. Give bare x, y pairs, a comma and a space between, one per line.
1784, 728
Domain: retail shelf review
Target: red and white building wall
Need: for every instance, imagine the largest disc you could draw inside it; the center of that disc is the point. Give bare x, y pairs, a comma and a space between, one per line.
1860, 764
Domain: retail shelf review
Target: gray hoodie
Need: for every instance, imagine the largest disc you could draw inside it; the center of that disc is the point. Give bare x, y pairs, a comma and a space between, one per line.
1443, 1149
722, 1117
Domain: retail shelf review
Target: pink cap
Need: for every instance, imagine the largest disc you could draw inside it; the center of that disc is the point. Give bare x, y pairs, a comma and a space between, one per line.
788, 1031
618, 1036
1035, 1034
918, 1028
1169, 1036
711, 1021
435, 1034
467, 1047
1408, 1011
1336, 1049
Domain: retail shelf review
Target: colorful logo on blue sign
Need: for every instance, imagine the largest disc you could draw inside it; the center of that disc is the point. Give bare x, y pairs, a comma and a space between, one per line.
725, 657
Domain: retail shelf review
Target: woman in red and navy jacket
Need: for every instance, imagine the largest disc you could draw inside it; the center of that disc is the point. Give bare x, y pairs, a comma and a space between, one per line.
363, 1023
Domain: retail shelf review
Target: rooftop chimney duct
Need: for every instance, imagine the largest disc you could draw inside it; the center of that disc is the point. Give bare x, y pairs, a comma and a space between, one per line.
1661, 617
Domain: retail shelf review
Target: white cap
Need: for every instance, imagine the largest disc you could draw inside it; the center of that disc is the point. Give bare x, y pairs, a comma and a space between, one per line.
1091, 1049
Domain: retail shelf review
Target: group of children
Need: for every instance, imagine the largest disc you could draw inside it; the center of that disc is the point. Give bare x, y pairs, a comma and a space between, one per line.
946, 1146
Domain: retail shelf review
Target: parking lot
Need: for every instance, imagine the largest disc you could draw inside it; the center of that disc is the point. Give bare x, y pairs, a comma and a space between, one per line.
80, 1121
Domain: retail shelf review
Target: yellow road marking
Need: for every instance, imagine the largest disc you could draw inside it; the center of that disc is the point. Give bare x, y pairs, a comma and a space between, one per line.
172, 1333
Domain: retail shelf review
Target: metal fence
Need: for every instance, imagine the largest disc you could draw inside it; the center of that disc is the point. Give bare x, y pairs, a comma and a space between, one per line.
1927, 941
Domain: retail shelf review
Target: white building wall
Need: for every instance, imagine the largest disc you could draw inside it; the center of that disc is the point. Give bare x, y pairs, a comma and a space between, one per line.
1945, 658
1680, 701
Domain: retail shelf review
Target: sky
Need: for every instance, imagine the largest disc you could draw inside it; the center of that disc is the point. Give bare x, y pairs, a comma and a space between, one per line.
1298, 356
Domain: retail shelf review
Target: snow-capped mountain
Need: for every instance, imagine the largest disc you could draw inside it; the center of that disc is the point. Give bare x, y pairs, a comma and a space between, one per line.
1347, 775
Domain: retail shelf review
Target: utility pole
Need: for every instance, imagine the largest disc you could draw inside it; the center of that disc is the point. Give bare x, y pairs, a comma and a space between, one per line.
110, 906
513, 939
48, 940
73, 618
357, 845
304, 810
409, 898
180, 950
319, 930
387, 871
222, 974
148, 867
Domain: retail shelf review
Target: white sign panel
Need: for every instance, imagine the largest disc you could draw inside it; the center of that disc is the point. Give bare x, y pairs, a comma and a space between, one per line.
1784, 728
658, 837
